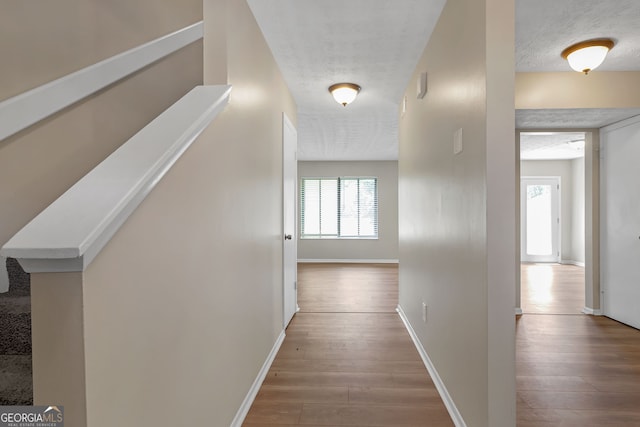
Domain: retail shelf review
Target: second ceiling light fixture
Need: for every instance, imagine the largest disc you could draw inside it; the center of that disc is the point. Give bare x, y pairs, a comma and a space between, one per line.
344, 93
586, 56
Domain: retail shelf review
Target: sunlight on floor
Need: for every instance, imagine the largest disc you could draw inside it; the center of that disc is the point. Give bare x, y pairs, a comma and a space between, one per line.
549, 288
540, 277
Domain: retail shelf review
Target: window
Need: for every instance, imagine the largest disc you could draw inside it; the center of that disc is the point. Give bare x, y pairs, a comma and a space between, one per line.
339, 208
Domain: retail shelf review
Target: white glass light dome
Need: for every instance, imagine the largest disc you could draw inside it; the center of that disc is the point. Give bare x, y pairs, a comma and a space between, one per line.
344, 93
586, 56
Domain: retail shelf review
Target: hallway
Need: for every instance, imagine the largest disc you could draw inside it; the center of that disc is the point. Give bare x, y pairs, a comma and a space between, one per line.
347, 359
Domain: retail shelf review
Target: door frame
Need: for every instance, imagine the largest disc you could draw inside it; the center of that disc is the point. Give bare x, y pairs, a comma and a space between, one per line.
289, 228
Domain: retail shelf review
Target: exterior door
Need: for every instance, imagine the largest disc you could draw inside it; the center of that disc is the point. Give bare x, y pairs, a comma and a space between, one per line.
289, 246
540, 207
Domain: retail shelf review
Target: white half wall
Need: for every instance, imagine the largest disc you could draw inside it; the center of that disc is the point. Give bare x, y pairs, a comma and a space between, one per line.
383, 248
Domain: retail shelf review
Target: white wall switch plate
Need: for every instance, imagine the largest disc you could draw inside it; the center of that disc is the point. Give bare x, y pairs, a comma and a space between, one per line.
422, 85
457, 141
424, 312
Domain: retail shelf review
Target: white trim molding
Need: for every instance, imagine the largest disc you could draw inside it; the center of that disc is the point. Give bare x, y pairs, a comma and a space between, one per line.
592, 311
455, 415
621, 124
30, 107
255, 387
572, 262
68, 234
348, 261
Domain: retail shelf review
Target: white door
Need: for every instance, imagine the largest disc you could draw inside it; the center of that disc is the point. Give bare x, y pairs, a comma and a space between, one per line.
620, 221
289, 251
540, 216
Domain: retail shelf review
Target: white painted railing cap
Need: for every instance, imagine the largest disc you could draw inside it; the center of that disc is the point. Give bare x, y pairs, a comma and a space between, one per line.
68, 234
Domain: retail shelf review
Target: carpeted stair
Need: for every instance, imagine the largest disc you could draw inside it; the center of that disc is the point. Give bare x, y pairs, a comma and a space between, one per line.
16, 377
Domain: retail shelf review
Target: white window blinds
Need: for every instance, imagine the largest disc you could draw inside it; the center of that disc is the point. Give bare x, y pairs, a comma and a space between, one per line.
339, 207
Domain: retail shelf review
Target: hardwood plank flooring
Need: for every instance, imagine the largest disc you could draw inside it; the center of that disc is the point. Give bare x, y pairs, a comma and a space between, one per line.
548, 288
572, 369
348, 288
349, 364
347, 359
577, 370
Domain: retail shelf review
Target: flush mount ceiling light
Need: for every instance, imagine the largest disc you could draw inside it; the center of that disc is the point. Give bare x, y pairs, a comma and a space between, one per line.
344, 93
586, 56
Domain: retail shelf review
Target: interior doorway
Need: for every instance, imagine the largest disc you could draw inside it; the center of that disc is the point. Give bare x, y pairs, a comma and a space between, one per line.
552, 222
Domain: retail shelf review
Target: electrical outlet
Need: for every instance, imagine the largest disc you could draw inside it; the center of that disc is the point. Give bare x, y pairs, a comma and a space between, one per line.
424, 312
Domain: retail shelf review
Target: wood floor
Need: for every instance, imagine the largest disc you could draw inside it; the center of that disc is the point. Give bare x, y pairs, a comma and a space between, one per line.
572, 369
350, 362
348, 288
347, 359
577, 370
552, 288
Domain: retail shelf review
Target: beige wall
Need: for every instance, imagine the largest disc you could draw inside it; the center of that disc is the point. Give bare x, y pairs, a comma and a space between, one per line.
184, 304
383, 248
602, 89
42, 41
45, 40
58, 343
578, 211
457, 212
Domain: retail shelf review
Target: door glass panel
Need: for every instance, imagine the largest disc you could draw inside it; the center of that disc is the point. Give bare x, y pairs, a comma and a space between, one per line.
539, 220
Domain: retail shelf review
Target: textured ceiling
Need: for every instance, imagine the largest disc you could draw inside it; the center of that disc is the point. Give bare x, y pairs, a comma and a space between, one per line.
544, 28
373, 43
376, 44
551, 145
586, 118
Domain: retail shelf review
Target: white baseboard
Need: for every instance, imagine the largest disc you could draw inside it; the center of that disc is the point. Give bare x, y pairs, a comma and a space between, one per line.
518, 311
592, 312
349, 261
455, 415
572, 262
255, 387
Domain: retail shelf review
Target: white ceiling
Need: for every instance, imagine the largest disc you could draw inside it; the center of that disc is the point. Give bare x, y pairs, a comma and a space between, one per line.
377, 43
373, 43
551, 145
544, 28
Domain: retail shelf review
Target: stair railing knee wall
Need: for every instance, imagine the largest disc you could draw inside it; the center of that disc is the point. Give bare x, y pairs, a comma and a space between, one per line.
73, 230
70, 233
30, 107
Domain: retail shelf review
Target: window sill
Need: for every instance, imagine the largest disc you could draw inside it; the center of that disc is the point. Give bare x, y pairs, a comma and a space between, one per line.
338, 238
